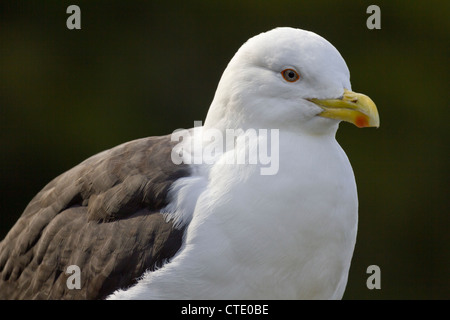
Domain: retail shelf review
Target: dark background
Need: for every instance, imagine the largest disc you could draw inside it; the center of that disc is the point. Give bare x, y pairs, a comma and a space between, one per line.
145, 68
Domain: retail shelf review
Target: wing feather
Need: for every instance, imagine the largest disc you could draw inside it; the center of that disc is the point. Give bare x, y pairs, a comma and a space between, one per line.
103, 216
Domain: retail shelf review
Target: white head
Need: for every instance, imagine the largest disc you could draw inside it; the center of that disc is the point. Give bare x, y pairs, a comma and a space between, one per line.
270, 82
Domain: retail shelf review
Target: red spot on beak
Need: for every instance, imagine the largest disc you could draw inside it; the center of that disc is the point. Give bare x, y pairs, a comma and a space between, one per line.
361, 122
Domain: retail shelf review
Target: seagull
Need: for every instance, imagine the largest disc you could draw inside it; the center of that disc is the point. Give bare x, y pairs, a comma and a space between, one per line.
151, 219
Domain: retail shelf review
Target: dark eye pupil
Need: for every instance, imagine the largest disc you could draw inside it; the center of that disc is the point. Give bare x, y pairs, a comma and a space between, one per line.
290, 75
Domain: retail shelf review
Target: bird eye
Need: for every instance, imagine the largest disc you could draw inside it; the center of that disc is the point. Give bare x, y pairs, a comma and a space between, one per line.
290, 75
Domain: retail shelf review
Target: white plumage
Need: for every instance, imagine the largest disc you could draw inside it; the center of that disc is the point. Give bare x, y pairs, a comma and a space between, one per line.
289, 235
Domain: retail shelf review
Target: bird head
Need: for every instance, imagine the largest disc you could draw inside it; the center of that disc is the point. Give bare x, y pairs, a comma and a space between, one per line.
290, 79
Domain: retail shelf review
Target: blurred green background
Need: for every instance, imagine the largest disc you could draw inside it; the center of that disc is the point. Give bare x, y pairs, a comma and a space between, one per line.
145, 68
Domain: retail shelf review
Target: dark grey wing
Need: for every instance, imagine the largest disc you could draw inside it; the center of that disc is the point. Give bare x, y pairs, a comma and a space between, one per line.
102, 216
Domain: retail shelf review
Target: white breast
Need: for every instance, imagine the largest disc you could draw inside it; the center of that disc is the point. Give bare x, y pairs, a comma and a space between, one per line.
286, 236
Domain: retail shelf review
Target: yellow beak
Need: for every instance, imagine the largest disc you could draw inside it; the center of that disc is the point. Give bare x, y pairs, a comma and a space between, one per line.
353, 107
